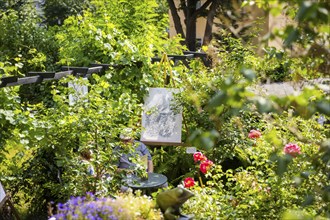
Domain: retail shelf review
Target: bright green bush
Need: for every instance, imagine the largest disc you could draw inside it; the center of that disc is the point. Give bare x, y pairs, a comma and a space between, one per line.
25, 43
61, 132
117, 33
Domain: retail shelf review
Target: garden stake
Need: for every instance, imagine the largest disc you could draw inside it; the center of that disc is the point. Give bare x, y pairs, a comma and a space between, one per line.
165, 60
200, 179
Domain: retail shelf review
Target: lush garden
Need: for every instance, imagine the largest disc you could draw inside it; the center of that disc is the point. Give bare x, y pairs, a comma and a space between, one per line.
258, 157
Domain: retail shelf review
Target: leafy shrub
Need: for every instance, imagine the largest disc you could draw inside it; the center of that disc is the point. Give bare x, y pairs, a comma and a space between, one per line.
24, 43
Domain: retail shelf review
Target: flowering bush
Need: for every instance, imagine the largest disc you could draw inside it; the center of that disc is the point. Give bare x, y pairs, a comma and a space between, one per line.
204, 166
272, 185
121, 207
292, 149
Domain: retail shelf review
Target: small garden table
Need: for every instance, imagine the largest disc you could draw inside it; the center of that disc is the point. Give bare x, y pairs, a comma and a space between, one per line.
154, 180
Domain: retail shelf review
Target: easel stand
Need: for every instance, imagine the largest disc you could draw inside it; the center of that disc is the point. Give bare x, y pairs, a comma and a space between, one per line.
7, 209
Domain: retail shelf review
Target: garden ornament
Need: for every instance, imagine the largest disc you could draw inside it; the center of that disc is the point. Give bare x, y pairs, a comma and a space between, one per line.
170, 202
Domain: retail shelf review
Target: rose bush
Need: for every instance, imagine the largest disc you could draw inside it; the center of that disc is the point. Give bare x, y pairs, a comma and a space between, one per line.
273, 183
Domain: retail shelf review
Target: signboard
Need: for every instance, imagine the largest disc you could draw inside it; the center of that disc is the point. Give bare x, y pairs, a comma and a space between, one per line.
191, 150
80, 91
161, 121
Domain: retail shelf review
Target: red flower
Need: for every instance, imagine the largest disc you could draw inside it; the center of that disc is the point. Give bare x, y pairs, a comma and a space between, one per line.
254, 134
292, 149
189, 182
198, 156
205, 166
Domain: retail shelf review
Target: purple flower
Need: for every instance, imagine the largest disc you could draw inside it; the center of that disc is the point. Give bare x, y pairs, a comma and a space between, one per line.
112, 217
88, 207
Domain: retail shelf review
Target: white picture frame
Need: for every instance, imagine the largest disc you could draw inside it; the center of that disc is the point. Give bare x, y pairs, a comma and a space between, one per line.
161, 122
2, 193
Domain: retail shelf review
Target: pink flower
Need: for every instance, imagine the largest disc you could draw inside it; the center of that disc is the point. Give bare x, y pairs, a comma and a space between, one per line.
254, 134
205, 166
189, 182
198, 156
292, 149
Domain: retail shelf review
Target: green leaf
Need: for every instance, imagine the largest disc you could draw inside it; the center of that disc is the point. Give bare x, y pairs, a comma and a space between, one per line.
323, 107
218, 99
249, 74
264, 105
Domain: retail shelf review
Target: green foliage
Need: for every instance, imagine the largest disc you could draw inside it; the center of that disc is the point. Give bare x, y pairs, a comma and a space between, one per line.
93, 123
307, 34
9, 4
118, 32
9, 109
56, 12
24, 43
218, 106
233, 51
275, 66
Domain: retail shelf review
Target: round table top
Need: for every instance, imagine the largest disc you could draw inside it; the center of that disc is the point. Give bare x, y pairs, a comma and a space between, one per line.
154, 180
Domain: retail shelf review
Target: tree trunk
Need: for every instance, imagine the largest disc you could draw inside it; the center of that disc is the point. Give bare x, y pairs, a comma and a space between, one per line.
209, 22
176, 18
191, 13
191, 25
191, 34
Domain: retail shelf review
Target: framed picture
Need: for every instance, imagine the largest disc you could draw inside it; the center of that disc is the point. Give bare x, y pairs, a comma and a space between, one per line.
161, 118
2, 193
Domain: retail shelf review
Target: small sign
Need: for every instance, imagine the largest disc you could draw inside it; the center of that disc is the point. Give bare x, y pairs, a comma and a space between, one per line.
2, 193
191, 150
80, 91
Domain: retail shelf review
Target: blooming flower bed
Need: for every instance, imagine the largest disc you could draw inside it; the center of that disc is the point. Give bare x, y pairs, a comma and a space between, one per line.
90, 207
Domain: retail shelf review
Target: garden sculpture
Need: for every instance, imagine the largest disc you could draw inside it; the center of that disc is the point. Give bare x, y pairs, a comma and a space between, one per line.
170, 202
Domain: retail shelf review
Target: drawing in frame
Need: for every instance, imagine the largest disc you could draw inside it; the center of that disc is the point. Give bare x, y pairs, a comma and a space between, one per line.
161, 118
2, 194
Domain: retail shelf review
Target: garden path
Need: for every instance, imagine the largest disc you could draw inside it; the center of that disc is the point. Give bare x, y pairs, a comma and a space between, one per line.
289, 88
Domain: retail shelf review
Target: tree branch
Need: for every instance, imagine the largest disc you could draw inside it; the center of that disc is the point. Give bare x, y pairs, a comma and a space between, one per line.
209, 22
203, 7
183, 7
176, 18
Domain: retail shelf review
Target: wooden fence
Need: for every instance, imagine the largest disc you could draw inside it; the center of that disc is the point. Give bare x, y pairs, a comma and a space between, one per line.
38, 77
